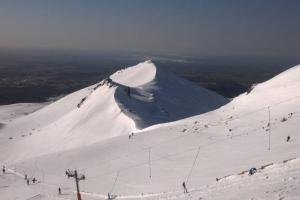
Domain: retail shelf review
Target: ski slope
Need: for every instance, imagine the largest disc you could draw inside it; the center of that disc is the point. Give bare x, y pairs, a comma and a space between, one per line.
218, 144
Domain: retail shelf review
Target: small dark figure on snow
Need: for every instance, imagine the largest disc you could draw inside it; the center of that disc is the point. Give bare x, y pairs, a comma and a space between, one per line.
129, 137
59, 191
33, 180
27, 181
3, 169
67, 173
288, 138
128, 91
108, 196
25, 177
184, 188
252, 171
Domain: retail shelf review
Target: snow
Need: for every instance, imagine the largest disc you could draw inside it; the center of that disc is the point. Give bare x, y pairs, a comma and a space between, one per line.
104, 111
285, 79
157, 159
164, 98
13, 111
135, 76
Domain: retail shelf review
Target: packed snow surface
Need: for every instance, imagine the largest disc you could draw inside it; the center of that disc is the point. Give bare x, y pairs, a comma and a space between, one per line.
137, 75
212, 149
13, 111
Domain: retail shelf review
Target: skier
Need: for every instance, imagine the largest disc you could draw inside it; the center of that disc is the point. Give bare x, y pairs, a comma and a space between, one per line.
184, 187
3, 169
33, 180
59, 191
25, 177
288, 138
252, 171
108, 196
27, 181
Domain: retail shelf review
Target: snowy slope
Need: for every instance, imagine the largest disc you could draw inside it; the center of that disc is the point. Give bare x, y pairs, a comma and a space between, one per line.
13, 111
222, 144
135, 76
160, 96
104, 111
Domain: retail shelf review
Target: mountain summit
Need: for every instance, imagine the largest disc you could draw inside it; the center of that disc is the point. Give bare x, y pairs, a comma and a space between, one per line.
150, 95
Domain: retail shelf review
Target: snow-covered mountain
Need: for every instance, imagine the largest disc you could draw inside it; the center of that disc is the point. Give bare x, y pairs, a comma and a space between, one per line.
129, 100
157, 96
210, 149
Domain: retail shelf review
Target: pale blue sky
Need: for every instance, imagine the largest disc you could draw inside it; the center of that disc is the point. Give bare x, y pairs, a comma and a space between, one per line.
182, 27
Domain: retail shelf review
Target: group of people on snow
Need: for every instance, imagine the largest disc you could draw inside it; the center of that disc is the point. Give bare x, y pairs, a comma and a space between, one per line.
25, 176
30, 179
131, 135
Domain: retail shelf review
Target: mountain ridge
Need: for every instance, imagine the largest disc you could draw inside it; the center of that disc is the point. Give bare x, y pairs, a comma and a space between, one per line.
104, 110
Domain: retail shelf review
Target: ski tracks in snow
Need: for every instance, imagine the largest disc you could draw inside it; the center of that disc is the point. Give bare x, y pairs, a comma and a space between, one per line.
269, 174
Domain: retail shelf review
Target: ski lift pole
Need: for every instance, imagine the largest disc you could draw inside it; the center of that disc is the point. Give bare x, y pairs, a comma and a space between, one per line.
269, 148
77, 178
150, 174
115, 182
77, 185
196, 157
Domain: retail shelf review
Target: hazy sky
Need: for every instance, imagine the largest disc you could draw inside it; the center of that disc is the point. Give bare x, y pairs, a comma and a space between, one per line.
183, 27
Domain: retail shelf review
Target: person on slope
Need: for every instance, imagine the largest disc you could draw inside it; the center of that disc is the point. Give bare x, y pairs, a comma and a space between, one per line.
184, 187
59, 190
3, 169
288, 138
252, 171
